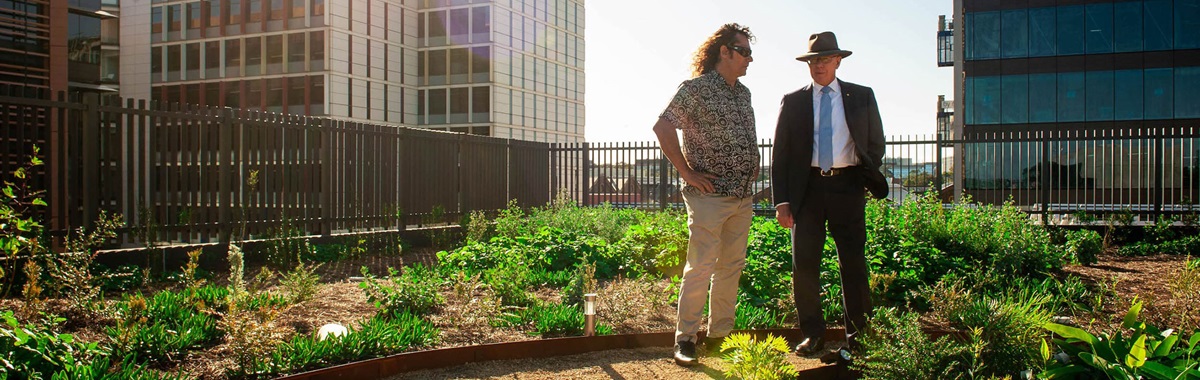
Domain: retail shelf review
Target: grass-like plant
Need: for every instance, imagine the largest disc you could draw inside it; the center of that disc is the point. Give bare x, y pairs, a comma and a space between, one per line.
1186, 294
895, 348
384, 334
300, 284
751, 358
749, 316
162, 328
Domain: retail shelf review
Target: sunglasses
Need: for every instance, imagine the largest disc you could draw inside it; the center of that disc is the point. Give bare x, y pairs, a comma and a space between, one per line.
744, 51
821, 60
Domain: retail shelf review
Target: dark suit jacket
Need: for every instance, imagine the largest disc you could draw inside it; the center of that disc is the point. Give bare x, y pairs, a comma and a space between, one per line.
792, 158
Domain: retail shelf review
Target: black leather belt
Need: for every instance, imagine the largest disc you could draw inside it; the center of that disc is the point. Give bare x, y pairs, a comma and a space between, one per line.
832, 172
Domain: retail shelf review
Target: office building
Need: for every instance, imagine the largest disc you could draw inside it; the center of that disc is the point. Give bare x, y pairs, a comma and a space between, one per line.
510, 68
1083, 88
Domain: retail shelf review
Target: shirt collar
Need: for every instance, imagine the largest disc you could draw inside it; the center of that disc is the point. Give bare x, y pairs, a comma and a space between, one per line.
834, 86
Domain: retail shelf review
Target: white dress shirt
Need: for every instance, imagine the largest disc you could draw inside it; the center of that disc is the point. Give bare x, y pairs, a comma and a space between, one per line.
843, 145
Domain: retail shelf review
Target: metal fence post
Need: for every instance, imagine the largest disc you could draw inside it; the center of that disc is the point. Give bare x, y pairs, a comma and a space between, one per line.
585, 191
225, 181
1158, 172
90, 163
663, 167
326, 167
1044, 177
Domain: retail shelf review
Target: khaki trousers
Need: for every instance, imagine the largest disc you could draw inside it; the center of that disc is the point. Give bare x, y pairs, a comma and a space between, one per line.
719, 227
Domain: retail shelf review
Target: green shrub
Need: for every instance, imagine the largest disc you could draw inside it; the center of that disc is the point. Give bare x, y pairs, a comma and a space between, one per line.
1009, 327
301, 283
384, 334
511, 284
767, 275
1182, 246
415, 291
31, 351
750, 358
1084, 246
895, 348
657, 245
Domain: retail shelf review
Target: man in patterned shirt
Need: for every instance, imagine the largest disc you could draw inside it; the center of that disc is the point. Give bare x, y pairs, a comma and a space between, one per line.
718, 162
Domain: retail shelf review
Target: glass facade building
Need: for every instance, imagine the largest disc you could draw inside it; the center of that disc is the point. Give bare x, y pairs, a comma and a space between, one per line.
439, 64
1077, 67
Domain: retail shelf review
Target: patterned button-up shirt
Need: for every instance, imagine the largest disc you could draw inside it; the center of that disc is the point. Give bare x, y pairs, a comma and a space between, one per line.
718, 132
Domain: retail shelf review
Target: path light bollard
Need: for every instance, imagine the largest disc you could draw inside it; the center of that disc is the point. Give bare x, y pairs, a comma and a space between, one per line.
589, 314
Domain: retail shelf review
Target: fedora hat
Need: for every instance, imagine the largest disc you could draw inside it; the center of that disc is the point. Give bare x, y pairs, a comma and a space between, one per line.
822, 44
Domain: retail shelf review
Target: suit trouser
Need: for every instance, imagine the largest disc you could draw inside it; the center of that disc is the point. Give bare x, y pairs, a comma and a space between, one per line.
840, 201
718, 229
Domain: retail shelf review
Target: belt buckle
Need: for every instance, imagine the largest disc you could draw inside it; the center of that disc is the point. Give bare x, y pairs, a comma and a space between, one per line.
827, 173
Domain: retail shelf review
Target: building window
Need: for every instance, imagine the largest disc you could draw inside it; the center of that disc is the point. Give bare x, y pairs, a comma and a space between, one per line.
1187, 24
318, 7
233, 94
255, 14
174, 18
296, 52
459, 26
156, 22
1157, 18
212, 94
437, 28
459, 105
1042, 31
1099, 97
481, 105
214, 13
235, 12
987, 100
275, 54
192, 60
173, 58
274, 94
1070, 30
481, 24
1128, 93
316, 95
295, 95
1015, 101
1042, 98
1127, 26
83, 38
420, 107
1070, 97
437, 106
1160, 91
156, 64
481, 68
233, 58
1099, 26
278, 12
297, 8
437, 67
212, 59
254, 94
253, 57
460, 63
194, 18
1187, 92
316, 52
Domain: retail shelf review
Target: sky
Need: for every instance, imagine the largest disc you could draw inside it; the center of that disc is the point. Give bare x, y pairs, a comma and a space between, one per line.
638, 51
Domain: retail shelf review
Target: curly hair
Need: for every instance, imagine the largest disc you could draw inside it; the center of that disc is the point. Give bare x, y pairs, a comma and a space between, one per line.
709, 53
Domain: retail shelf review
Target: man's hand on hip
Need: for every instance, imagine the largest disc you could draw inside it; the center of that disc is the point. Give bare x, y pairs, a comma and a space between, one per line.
699, 180
783, 214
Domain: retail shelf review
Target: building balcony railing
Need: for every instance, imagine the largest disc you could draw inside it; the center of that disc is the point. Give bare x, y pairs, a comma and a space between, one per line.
945, 42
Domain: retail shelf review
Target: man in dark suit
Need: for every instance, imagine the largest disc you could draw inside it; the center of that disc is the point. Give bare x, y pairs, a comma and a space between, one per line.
829, 145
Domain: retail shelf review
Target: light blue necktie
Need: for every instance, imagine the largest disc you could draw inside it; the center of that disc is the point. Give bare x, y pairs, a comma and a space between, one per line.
825, 131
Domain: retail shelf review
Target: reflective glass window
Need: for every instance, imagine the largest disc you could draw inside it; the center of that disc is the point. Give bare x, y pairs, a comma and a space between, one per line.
1070, 30
316, 50
1014, 33
1127, 26
1187, 25
233, 58
969, 106
437, 67
1160, 91
987, 35
437, 106
1157, 20
1127, 93
1099, 27
1187, 92
1015, 92
1042, 98
1070, 96
1042, 30
987, 100
1099, 96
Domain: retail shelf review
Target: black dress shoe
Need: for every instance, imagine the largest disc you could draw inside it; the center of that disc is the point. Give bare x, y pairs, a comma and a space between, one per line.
809, 346
685, 353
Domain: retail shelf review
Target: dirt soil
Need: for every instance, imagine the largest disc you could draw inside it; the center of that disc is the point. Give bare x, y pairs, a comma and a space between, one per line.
340, 300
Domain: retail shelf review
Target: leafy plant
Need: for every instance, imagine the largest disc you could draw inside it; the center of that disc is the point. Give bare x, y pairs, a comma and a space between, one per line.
72, 270
163, 328
476, 227
19, 229
415, 291
1084, 246
1146, 352
751, 358
32, 351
